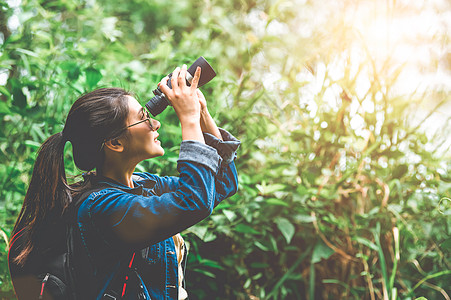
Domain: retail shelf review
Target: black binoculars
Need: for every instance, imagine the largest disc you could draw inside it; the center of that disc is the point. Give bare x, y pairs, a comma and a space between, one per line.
159, 102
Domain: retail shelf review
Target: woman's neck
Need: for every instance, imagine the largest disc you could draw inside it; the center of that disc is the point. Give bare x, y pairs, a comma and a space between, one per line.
118, 172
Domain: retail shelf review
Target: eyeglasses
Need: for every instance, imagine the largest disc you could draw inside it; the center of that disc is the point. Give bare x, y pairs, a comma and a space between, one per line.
148, 118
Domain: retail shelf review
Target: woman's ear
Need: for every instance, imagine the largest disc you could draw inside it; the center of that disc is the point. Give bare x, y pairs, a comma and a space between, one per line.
114, 145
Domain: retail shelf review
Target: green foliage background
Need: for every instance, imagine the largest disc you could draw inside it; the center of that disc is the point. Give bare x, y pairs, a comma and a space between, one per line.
326, 209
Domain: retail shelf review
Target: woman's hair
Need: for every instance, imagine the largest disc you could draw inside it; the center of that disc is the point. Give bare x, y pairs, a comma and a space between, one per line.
94, 118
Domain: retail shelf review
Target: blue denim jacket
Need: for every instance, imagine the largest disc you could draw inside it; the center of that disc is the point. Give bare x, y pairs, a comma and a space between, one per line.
133, 227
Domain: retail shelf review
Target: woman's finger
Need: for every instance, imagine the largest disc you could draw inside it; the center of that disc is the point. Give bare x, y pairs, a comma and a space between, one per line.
163, 85
182, 77
195, 80
174, 78
163, 81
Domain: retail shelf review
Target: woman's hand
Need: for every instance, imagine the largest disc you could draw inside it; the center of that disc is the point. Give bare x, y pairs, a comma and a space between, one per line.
183, 98
185, 101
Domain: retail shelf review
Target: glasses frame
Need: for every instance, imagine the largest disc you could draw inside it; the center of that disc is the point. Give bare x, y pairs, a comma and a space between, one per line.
142, 121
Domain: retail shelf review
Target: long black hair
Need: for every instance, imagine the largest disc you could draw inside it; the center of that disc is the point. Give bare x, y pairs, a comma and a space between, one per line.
93, 118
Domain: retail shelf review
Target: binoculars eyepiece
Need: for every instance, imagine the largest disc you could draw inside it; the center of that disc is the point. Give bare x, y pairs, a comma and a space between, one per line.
159, 102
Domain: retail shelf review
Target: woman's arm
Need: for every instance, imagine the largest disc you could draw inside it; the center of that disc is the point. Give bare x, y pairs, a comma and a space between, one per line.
207, 123
226, 181
127, 219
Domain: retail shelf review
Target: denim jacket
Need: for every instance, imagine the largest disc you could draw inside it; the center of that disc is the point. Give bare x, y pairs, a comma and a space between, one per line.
123, 227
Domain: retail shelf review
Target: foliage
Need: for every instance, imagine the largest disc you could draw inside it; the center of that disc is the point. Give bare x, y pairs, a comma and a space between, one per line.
342, 195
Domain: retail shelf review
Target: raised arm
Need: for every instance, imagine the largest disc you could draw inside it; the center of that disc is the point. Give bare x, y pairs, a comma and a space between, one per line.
132, 220
207, 123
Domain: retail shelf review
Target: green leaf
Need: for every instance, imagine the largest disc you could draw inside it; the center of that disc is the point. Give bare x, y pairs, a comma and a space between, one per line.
446, 245
365, 242
230, 215
93, 77
271, 188
198, 230
210, 263
286, 228
275, 201
4, 109
32, 144
4, 91
304, 218
302, 190
261, 246
27, 52
321, 251
204, 272
72, 69
209, 237
245, 229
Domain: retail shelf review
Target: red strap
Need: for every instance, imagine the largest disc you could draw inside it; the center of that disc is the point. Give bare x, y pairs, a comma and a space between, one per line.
42, 290
131, 261
44, 281
126, 277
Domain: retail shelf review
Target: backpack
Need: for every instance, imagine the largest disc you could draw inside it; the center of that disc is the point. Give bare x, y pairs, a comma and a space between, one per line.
67, 275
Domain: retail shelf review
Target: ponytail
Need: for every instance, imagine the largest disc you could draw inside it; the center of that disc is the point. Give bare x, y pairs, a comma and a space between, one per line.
48, 193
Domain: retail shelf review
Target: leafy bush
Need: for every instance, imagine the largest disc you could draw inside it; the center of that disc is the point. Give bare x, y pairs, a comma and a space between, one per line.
342, 195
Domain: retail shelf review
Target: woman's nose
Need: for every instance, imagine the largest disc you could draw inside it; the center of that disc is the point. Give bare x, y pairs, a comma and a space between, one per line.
155, 124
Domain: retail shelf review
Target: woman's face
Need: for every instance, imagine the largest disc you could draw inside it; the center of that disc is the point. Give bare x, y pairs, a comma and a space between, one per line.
141, 142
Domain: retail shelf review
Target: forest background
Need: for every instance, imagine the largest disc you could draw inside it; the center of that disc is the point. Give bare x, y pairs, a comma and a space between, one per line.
342, 107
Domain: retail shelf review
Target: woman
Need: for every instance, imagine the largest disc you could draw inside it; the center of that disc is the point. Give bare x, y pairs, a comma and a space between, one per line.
128, 222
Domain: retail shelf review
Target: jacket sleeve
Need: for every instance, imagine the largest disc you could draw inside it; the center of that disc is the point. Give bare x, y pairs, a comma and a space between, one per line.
226, 179
226, 147
137, 221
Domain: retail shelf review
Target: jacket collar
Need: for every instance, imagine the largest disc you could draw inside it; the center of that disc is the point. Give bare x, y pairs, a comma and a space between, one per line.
139, 183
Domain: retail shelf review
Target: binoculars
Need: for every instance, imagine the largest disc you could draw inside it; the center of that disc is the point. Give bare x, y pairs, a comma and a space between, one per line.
159, 102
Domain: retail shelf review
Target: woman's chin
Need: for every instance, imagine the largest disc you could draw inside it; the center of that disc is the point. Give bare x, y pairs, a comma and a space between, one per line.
158, 152
155, 153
